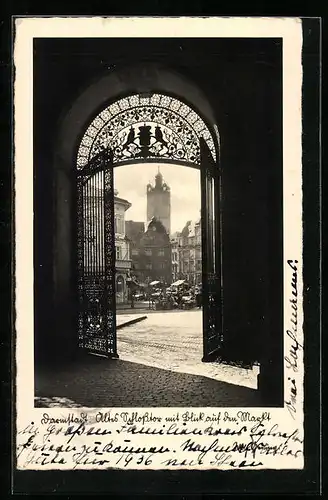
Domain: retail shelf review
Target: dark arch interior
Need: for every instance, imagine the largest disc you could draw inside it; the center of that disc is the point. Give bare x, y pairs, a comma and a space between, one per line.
242, 80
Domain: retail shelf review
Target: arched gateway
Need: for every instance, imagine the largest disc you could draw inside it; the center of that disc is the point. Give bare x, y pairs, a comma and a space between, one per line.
138, 128
132, 115
243, 102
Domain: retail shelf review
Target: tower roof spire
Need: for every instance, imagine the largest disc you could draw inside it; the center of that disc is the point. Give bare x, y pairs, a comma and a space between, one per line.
158, 178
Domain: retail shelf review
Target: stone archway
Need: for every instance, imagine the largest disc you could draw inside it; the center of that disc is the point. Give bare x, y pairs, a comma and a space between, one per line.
114, 84
247, 110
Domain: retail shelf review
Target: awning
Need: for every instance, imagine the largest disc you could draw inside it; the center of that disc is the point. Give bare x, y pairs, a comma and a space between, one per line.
179, 282
154, 283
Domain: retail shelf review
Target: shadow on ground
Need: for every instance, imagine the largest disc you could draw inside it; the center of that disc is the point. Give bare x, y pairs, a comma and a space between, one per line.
97, 382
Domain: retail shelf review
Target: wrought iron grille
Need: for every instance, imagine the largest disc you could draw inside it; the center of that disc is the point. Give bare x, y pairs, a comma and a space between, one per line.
96, 257
145, 127
214, 338
211, 272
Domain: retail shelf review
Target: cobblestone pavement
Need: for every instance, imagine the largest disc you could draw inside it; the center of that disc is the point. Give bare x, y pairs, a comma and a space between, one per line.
173, 341
97, 382
160, 365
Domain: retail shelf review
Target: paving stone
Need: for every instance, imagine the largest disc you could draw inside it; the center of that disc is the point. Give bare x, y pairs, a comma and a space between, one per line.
160, 365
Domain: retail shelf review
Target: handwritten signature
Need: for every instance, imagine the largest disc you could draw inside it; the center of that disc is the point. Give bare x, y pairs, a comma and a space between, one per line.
292, 333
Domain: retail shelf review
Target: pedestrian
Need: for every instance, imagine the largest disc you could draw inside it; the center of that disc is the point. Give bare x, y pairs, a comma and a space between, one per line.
199, 298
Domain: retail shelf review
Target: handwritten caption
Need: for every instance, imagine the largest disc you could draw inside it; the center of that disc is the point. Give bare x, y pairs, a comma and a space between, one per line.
292, 358
146, 439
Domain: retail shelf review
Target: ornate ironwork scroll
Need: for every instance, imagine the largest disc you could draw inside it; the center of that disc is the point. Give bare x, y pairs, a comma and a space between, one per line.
146, 127
214, 338
96, 256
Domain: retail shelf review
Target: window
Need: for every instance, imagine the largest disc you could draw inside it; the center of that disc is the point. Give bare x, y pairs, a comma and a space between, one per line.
148, 251
118, 252
162, 265
135, 251
161, 252
149, 265
119, 284
119, 224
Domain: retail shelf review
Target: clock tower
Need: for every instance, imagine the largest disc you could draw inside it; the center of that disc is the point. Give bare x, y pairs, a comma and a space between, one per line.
159, 202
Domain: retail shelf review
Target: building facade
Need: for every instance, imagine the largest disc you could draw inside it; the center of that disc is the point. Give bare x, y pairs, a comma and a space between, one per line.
134, 231
174, 239
187, 253
159, 202
123, 261
93, 258
152, 259
175, 252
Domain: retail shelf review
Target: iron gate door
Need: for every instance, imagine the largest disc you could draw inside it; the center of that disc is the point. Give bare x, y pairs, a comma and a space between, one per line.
211, 256
239, 350
96, 256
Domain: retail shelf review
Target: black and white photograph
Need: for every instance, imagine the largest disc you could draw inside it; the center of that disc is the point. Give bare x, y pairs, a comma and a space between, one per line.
158, 213
165, 235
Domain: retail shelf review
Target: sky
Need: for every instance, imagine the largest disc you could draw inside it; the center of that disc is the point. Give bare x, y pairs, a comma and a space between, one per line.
184, 182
